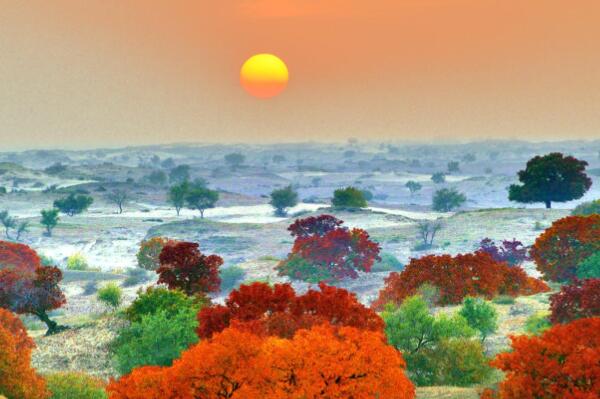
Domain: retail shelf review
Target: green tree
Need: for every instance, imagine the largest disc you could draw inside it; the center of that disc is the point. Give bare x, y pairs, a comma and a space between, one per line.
157, 299
590, 267
235, 160
453, 166
177, 195
111, 295
73, 204
8, 222
179, 174
551, 178
157, 177
413, 186
201, 198
349, 197
49, 220
282, 199
438, 177
537, 323
22, 228
480, 315
447, 199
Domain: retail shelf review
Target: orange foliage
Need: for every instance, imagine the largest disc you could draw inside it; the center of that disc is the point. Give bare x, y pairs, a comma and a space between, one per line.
563, 363
476, 274
17, 378
563, 246
343, 363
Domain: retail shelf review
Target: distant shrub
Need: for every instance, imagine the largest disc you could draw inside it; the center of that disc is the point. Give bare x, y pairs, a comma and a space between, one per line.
90, 288
577, 300
438, 178
349, 197
480, 315
282, 199
387, 263
587, 208
537, 323
73, 204
503, 300
590, 267
110, 295
74, 385
447, 199
231, 277
77, 262
136, 277
156, 299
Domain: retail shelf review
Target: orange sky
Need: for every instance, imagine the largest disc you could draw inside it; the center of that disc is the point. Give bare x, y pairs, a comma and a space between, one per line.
113, 72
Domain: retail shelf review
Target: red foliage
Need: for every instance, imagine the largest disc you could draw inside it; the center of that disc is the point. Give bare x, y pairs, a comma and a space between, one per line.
563, 363
276, 310
18, 257
561, 248
17, 378
183, 267
577, 300
310, 226
476, 274
318, 363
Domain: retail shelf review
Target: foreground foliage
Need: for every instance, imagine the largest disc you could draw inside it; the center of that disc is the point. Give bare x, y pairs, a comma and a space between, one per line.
580, 299
74, 385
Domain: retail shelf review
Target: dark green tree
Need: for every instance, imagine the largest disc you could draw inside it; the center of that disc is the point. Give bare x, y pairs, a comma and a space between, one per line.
438, 177
201, 198
447, 199
453, 166
177, 195
413, 186
73, 204
49, 220
349, 197
179, 174
282, 199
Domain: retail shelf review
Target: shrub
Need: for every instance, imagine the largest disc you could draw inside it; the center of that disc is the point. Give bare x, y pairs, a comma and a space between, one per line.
512, 252
562, 247
590, 267
149, 252
156, 299
447, 199
77, 262
438, 178
157, 339
587, 208
387, 263
282, 199
561, 363
577, 300
349, 197
135, 277
480, 315
503, 300
110, 295
73, 385
537, 323
231, 277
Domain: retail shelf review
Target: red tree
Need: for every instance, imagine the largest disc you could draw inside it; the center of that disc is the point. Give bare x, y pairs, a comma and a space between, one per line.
476, 274
561, 248
512, 252
314, 225
28, 287
183, 267
577, 300
266, 310
563, 363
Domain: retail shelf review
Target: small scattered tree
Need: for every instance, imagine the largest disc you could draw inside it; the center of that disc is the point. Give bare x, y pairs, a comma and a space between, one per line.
282, 199
8, 222
427, 230
49, 220
447, 199
438, 178
179, 174
413, 186
177, 195
453, 166
480, 315
111, 295
22, 228
201, 198
551, 178
74, 204
235, 160
119, 198
348, 197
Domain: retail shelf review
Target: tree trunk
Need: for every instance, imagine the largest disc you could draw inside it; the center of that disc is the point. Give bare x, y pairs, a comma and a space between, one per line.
201, 213
53, 327
49, 231
548, 204
177, 209
120, 209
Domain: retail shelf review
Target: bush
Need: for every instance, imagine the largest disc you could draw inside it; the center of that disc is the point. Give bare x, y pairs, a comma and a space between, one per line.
349, 197
149, 252
587, 208
590, 267
77, 262
283, 199
537, 323
231, 277
156, 299
157, 339
73, 385
503, 300
447, 199
480, 315
136, 277
577, 300
110, 295
387, 263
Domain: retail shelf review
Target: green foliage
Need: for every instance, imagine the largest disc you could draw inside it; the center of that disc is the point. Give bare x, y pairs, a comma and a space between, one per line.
111, 295
438, 178
297, 267
74, 204
387, 263
587, 208
537, 323
136, 276
430, 294
179, 174
154, 300
77, 262
156, 340
177, 194
590, 267
504, 300
413, 186
480, 315
231, 277
446, 200
201, 198
157, 177
49, 219
349, 197
73, 385
283, 198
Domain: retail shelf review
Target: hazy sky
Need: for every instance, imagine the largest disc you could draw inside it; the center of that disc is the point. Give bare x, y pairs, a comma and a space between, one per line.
119, 72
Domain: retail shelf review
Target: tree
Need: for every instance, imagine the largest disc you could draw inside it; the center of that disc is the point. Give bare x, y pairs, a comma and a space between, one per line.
413, 186
314, 226
577, 300
348, 197
201, 198
28, 287
561, 363
447, 199
277, 310
480, 315
177, 195
428, 229
453, 166
282, 199
22, 227
551, 178
149, 252
589, 267
157, 299
157, 177
560, 249
73, 204
438, 178
8, 222
119, 198
49, 220
184, 267
179, 174
17, 378
512, 252
234, 160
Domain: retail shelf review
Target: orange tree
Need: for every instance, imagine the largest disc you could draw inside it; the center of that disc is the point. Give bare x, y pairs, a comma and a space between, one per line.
456, 277
563, 246
562, 363
149, 252
17, 378
344, 363
277, 310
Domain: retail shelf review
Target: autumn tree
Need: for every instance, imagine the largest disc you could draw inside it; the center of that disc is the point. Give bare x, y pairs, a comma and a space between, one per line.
277, 310
577, 300
184, 267
28, 287
512, 252
562, 363
73, 204
149, 252
551, 178
560, 249
283, 199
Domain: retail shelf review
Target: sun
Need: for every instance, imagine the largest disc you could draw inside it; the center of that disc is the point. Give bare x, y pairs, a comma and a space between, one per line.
264, 75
